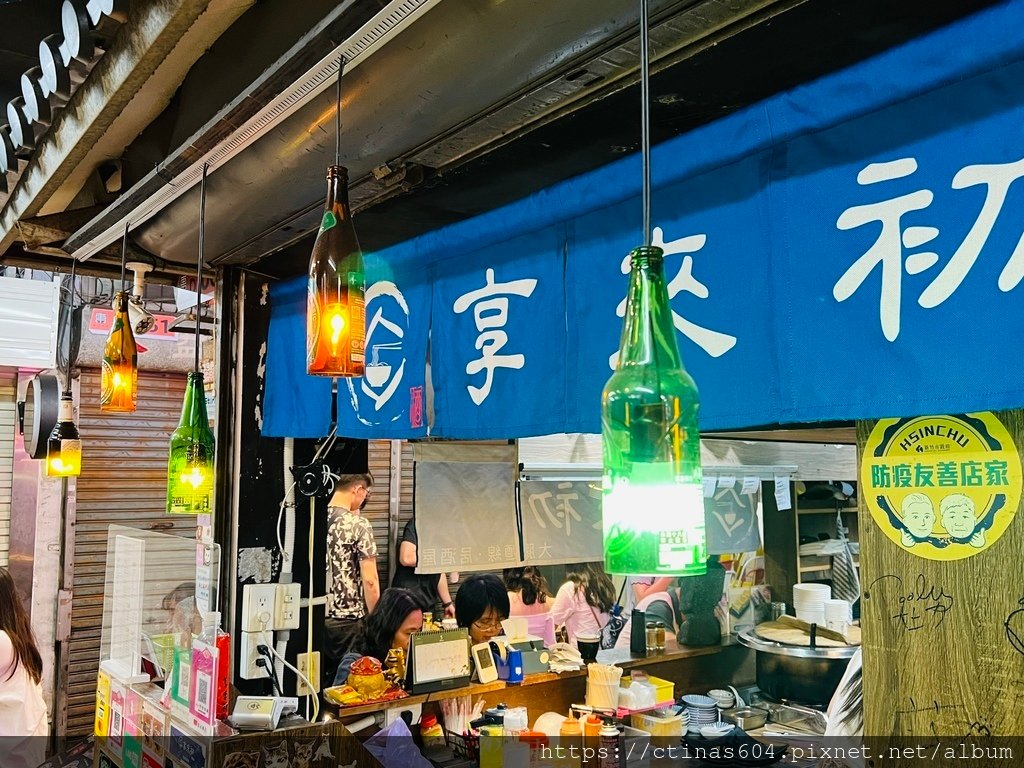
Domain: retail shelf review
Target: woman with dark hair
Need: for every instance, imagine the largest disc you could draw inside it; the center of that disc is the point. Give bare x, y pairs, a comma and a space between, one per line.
481, 604
584, 601
527, 591
23, 726
398, 614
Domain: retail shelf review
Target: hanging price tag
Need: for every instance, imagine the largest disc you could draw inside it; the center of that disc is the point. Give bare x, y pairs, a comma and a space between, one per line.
726, 481
750, 484
709, 486
782, 500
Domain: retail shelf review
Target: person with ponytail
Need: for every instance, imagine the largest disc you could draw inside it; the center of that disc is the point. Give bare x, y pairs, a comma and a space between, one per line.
23, 719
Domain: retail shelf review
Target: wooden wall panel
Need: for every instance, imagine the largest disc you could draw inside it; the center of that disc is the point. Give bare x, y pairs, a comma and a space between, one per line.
939, 657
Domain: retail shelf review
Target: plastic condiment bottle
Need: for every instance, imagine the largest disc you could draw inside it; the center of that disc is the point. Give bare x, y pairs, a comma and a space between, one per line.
591, 734
431, 732
570, 742
536, 741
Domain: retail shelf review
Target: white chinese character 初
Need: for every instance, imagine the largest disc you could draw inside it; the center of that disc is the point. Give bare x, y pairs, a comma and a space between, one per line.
887, 250
997, 179
714, 343
490, 314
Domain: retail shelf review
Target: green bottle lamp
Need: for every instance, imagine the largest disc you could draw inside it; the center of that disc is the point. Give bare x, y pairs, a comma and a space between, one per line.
653, 500
190, 461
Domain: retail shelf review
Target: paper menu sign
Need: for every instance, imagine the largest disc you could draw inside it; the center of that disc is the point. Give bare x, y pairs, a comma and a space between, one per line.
709, 486
782, 498
726, 481
750, 484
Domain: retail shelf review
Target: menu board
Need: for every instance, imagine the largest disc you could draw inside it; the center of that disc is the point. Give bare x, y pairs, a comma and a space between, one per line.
561, 521
465, 508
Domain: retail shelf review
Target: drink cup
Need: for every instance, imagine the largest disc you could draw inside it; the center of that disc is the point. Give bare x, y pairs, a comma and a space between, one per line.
588, 645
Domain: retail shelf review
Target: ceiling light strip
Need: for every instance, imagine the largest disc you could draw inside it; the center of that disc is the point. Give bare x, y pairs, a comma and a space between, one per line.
368, 39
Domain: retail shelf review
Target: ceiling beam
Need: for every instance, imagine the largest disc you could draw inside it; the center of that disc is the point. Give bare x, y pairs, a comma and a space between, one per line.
130, 84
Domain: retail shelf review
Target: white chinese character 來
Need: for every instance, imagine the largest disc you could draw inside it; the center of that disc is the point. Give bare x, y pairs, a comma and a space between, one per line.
893, 237
490, 314
714, 343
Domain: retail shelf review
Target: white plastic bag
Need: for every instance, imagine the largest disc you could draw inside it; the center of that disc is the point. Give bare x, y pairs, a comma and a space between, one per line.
394, 748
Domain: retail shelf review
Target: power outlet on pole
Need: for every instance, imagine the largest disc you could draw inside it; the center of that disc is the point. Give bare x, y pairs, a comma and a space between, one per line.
309, 665
247, 655
258, 607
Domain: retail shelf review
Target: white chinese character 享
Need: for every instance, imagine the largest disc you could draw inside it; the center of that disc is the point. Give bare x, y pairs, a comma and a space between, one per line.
428, 557
893, 237
466, 556
996, 179
448, 556
490, 314
714, 343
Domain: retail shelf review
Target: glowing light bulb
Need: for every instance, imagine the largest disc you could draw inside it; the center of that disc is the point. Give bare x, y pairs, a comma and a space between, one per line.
194, 477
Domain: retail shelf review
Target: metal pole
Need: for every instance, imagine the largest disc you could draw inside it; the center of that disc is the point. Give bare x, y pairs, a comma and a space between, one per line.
645, 118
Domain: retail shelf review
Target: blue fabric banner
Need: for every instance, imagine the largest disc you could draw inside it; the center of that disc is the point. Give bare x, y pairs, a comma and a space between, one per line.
497, 350
849, 249
295, 404
389, 401
713, 267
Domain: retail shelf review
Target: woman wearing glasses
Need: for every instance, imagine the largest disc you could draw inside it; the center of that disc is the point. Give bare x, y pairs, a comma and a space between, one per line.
481, 605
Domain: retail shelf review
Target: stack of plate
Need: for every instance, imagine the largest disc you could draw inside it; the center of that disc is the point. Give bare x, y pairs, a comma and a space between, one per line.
809, 602
700, 711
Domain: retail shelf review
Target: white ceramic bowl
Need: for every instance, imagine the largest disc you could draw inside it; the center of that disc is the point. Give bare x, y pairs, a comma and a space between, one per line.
716, 730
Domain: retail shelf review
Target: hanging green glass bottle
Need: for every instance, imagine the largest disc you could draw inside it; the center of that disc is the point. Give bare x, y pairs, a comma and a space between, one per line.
653, 501
190, 464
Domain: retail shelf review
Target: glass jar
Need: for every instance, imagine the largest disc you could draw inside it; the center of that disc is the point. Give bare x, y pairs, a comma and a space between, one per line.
659, 629
652, 638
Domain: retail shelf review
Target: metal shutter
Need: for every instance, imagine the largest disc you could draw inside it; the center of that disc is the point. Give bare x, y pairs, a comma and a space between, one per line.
8, 425
124, 482
377, 508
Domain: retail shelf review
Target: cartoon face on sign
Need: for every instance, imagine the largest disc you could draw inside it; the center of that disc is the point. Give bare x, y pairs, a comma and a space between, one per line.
387, 324
942, 487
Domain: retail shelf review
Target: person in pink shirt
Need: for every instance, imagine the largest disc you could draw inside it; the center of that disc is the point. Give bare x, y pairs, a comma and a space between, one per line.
583, 602
528, 593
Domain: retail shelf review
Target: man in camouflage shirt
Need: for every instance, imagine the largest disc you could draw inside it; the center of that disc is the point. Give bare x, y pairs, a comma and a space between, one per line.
353, 585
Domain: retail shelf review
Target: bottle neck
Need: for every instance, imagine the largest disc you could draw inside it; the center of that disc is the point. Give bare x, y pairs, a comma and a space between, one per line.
66, 410
648, 333
193, 412
337, 190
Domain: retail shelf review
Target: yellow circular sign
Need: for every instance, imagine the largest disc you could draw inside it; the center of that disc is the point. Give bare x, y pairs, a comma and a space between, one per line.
941, 487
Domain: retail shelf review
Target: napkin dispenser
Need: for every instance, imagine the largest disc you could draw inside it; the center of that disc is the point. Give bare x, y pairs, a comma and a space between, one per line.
535, 656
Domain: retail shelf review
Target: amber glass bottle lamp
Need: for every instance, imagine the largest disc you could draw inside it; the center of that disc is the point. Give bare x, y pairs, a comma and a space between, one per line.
119, 377
190, 463
335, 311
653, 501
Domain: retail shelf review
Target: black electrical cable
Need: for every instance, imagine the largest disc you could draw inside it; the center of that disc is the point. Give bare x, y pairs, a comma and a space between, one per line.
199, 264
337, 114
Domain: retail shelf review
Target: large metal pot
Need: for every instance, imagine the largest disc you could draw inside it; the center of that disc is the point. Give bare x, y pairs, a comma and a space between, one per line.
797, 673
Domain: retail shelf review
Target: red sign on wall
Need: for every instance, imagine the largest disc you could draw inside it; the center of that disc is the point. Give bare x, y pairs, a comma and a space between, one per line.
102, 320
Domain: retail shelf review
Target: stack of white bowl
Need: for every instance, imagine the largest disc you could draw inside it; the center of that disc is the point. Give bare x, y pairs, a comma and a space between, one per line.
809, 602
700, 710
